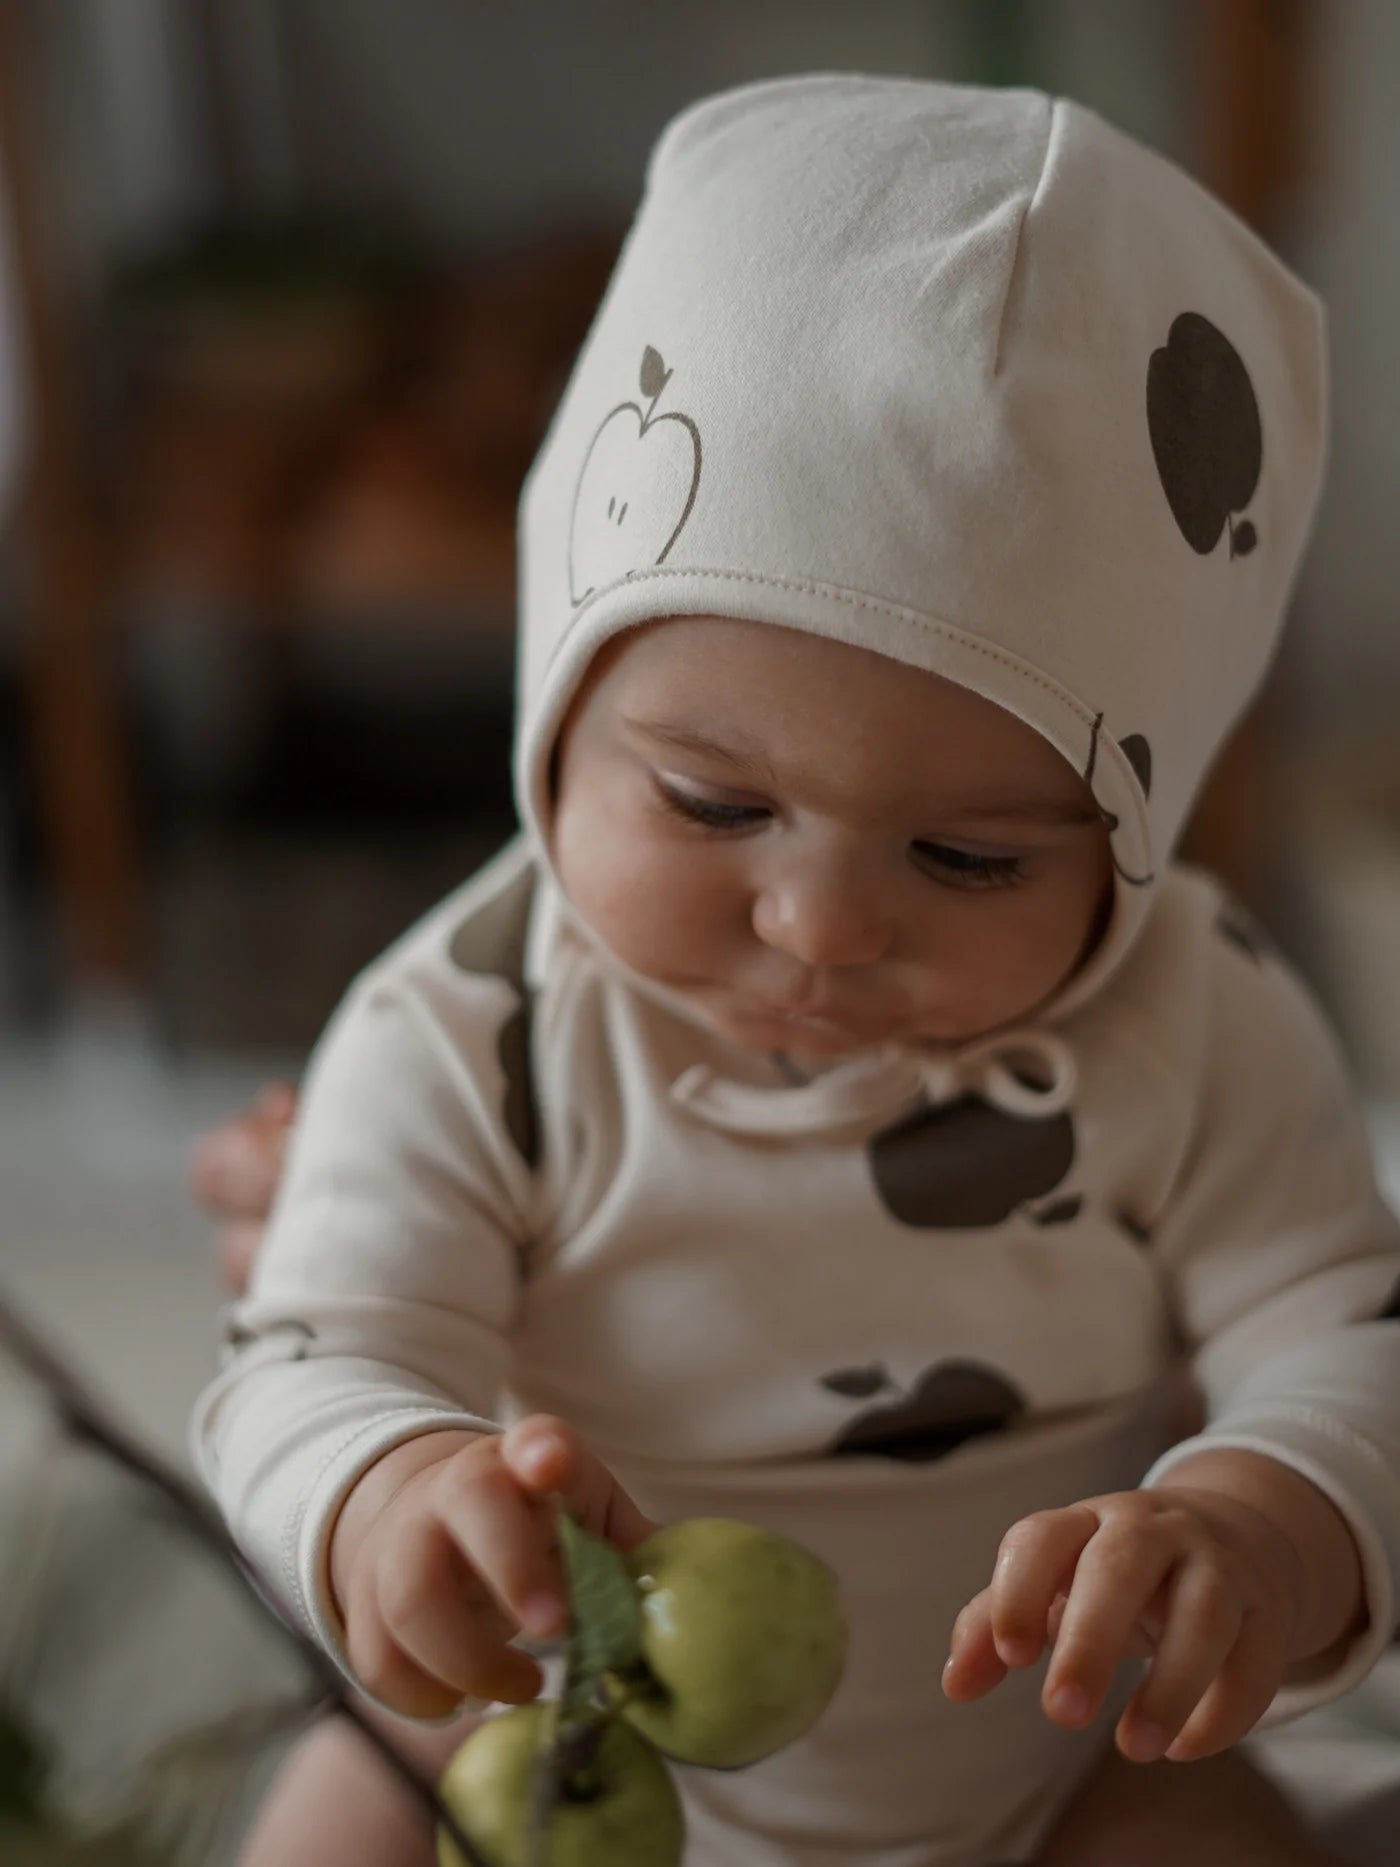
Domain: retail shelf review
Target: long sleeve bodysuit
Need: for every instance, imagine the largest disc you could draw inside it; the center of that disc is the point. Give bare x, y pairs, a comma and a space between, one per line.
888, 1311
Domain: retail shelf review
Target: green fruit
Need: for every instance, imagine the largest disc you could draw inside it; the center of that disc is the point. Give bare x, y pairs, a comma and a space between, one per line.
743, 1642
621, 1809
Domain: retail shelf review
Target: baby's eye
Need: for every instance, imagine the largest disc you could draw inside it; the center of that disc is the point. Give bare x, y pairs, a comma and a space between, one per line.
707, 810
961, 868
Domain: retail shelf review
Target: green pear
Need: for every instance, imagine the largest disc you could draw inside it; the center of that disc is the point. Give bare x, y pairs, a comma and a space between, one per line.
743, 1642
621, 1808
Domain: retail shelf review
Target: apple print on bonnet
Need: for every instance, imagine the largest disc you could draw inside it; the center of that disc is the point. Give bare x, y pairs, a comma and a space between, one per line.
963, 376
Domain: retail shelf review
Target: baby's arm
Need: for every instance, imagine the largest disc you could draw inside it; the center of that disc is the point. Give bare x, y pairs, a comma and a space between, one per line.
376, 1336
1259, 1561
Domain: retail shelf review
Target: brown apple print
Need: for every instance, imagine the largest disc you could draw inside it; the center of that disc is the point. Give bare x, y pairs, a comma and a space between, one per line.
1203, 421
952, 1402
1138, 753
967, 1164
636, 488
521, 1117
472, 948
1060, 1211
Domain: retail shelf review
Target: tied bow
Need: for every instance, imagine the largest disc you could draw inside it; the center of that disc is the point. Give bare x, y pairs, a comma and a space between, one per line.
1026, 1073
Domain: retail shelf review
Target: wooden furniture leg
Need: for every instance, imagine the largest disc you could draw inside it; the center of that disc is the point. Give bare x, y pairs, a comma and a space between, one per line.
1251, 59
82, 777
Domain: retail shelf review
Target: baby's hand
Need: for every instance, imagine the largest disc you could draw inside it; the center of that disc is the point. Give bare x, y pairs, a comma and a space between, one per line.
234, 1171
1208, 1584
446, 1548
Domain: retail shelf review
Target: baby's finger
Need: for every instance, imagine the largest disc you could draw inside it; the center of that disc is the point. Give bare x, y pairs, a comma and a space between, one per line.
276, 1101
1036, 1557
973, 1665
234, 1170
1116, 1577
239, 1244
396, 1681
1238, 1697
507, 1539
385, 1670
1202, 1627
443, 1620
547, 1456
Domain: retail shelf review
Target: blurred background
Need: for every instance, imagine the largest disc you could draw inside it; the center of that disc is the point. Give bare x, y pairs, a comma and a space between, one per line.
288, 289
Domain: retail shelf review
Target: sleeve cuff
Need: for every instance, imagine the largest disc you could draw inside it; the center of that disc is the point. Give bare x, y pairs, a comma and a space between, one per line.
1350, 1472
306, 1548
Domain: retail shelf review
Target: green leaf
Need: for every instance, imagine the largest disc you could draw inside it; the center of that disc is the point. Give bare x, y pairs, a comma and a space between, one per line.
606, 1631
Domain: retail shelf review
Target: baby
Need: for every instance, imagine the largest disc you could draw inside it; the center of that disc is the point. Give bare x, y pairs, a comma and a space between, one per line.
836, 1110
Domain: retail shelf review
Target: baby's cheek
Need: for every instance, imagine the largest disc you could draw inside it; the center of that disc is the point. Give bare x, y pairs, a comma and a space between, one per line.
640, 900
596, 852
1015, 961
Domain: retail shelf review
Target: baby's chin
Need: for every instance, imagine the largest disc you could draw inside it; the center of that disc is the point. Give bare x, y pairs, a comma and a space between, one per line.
813, 1038
820, 1044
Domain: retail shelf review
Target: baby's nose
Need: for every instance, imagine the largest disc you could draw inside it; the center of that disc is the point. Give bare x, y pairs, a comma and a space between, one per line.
822, 921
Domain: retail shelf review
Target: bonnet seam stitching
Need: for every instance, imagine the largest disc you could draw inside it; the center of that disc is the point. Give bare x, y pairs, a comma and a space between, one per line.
859, 599
1026, 211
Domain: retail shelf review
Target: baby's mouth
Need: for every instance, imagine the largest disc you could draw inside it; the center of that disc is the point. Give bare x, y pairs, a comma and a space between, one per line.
799, 1022
789, 1013
815, 1021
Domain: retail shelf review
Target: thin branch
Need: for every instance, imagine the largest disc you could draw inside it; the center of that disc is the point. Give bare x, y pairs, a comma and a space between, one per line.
86, 1420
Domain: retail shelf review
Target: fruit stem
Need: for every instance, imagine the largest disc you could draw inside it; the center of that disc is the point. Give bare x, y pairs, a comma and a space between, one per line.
573, 1753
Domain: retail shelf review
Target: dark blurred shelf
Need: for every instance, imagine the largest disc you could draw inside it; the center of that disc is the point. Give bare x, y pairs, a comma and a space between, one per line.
260, 927
289, 448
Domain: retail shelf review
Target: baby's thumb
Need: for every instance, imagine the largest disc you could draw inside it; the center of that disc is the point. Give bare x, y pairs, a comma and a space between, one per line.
547, 1457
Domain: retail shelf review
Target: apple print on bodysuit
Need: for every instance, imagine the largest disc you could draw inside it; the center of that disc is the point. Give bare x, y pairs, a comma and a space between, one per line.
968, 1164
952, 1402
474, 951
636, 488
1203, 421
513, 1050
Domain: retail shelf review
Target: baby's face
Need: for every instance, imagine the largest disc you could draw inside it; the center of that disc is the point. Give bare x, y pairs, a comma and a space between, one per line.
820, 848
